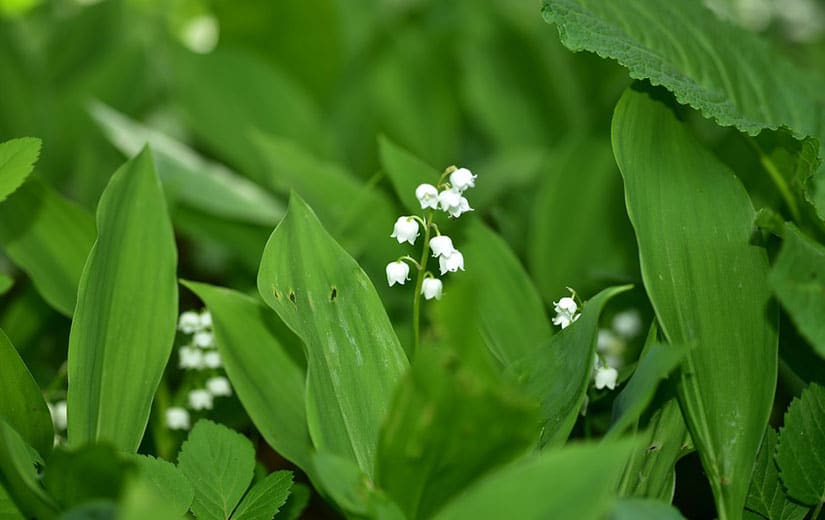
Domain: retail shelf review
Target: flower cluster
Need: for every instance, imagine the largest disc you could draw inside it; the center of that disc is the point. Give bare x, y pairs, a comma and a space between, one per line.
447, 196
611, 345
198, 354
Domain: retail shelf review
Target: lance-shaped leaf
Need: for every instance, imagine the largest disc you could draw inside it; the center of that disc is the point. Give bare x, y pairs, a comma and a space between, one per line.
801, 451
644, 509
766, 495
353, 355
18, 475
406, 172
124, 323
707, 283
48, 237
17, 158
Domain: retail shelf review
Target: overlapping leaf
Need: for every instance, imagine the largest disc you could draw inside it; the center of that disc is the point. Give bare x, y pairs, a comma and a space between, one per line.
766, 495
801, 451
17, 158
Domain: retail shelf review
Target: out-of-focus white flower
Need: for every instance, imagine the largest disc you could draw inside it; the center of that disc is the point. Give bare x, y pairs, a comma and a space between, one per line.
189, 322
565, 312
427, 196
451, 263
606, 377
206, 320
212, 360
203, 339
190, 358
432, 288
442, 245
219, 386
200, 399
200, 34
612, 347
627, 324
177, 418
59, 416
462, 178
405, 230
397, 273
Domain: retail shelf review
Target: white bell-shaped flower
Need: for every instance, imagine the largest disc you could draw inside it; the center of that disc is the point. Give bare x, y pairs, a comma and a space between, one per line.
190, 358
606, 377
212, 360
463, 207
627, 324
59, 415
462, 178
206, 320
442, 245
405, 230
566, 312
449, 200
219, 386
427, 196
200, 399
397, 273
451, 263
189, 322
432, 288
203, 339
177, 418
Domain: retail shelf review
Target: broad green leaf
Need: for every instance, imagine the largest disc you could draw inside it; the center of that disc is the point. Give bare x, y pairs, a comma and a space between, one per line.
189, 178
353, 355
141, 501
268, 381
22, 405
447, 427
91, 472
8, 511
296, 503
511, 314
798, 280
572, 482
17, 158
707, 283
766, 495
558, 372
166, 481
644, 509
219, 463
6, 283
801, 452
19, 477
124, 323
48, 237
406, 172
266, 498
727, 73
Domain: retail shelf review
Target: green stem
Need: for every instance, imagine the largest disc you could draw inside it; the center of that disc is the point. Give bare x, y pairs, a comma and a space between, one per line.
778, 180
817, 511
419, 283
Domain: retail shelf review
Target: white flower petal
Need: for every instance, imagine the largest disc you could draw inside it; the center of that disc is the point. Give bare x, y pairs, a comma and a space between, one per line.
432, 288
405, 230
397, 273
427, 196
200, 400
177, 418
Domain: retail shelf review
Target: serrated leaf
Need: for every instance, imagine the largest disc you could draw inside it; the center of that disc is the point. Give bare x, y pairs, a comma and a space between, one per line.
22, 405
448, 426
558, 372
296, 503
644, 509
17, 158
266, 498
727, 73
572, 482
89, 473
48, 237
219, 463
353, 355
707, 283
19, 476
801, 452
165, 481
798, 280
124, 323
766, 495
269, 382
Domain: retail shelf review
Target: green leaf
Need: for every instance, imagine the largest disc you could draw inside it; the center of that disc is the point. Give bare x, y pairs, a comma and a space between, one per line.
91, 472
766, 495
189, 178
268, 381
166, 481
353, 355
572, 482
644, 509
141, 500
6, 283
48, 237
296, 503
8, 511
406, 172
707, 283
19, 476
266, 498
17, 158
126, 313
448, 427
558, 372
22, 405
727, 73
801, 452
798, 280
219, 463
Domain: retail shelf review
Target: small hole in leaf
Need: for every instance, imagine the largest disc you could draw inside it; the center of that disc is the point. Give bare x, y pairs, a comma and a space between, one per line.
333, 294
653, 447
292, 296
276, 294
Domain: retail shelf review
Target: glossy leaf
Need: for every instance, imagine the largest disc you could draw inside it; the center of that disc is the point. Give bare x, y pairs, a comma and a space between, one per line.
166, 481
798, 280
266, 498
124, 324
17, 158
89, 473
644, 509
22, 405
448, 427
353, 355
559, 372
766, 495
269, 382
48, 237
219, 463
707, 283
573, 482
19, 476
727, 73
801, 451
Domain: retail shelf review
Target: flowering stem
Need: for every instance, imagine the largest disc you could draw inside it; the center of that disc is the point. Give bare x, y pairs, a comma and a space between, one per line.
419, 283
